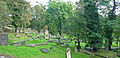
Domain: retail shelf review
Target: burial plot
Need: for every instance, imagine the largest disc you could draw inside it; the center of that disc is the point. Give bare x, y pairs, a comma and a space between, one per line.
3, 38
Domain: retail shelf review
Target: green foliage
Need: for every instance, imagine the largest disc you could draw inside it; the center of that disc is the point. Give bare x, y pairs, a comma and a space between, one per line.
20, 12
38, 17
4, 12
58, 12
93, 24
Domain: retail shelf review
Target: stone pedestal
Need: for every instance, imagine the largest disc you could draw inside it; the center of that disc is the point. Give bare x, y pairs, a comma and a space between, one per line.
3, 38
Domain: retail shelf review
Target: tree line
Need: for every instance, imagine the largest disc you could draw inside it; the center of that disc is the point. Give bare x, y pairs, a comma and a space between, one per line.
91, 21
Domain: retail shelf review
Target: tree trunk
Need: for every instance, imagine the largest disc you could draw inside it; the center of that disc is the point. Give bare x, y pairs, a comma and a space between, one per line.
78, 47
16, 29
95, 49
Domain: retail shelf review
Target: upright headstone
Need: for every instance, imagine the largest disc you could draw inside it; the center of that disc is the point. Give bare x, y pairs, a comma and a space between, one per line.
17, 30
34, 31
29, 30
119, 44
75, 48
3, 38
41, 31
46, 34
68, 53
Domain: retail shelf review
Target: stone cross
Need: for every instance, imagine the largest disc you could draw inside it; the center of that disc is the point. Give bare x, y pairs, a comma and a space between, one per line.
68, 53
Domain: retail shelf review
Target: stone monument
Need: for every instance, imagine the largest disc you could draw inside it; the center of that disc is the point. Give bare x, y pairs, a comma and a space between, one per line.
46, 34
68, 53
3, 38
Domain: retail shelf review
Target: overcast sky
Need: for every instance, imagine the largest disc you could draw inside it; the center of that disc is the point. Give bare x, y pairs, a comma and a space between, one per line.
45, 2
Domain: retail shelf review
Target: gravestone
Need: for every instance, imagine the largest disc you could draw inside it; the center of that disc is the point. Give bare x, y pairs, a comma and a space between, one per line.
34, 31
3, 38
29, 30
28, 39
68, 53
19, 43
42, 31
17, 36
75, 48
51, 48
30, 45
106, 47
46, 34
44, 50
119, 44
52, 40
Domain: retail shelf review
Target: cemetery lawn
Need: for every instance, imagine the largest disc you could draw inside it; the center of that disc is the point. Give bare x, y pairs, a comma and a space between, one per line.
34, 52
23, 51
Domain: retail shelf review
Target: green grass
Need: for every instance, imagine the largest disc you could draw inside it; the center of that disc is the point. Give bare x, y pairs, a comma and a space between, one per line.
34, 52
22, 51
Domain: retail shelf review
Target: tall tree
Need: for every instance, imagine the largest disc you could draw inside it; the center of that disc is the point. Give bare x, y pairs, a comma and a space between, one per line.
75, 26
38, 17
20, 12
93, 24
58, 12
111, 17
4, 14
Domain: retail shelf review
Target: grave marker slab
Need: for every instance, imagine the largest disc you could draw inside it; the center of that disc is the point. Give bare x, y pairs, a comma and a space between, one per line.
44, 50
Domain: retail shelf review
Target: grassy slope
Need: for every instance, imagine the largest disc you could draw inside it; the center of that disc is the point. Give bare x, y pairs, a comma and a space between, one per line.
34, 52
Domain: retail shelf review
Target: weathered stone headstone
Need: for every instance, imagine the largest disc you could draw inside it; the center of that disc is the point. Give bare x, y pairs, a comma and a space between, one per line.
68, 53
51, 48
75, 48
19, 43
66, 41
28, 39
42, 31
119, 44
34, 38
46, 34
30, 45
44, 50
17, 36
106, 47
29, 30
34, 31
52, 40
3, 38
